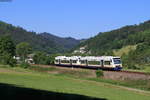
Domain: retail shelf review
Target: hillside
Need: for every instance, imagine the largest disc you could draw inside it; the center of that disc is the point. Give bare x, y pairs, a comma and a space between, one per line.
65, 42
40, 42
108, 42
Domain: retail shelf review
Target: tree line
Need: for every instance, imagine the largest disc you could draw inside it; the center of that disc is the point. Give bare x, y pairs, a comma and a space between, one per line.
8, 52
44, 42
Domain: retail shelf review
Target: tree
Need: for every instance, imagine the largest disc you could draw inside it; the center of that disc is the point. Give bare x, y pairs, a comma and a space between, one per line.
40, 58
7, 51
23, 49
44, 58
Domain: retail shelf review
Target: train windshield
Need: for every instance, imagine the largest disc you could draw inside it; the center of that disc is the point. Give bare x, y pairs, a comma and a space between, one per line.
117, 60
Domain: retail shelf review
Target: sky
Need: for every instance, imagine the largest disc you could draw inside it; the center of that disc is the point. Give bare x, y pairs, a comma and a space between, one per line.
74, 18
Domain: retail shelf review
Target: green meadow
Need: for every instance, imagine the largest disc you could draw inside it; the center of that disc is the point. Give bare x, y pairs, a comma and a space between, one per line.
57, 85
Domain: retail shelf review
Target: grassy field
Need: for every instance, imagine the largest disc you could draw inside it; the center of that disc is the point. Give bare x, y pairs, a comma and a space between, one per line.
62, 86
124, 50
135, 84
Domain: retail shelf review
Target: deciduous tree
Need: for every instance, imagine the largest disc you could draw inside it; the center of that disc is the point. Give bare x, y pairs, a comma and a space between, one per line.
23, 49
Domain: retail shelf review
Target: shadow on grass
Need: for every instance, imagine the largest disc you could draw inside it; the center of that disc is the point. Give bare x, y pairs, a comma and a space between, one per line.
12, 92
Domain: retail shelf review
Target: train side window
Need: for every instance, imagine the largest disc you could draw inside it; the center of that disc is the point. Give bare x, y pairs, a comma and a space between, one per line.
100, 62
107, 62
82, 61
94, 62
74, 61
65, 61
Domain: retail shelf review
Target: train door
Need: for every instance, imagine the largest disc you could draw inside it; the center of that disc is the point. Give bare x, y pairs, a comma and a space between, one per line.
102, 63
78, 62
59, 61
86, 61
70, 62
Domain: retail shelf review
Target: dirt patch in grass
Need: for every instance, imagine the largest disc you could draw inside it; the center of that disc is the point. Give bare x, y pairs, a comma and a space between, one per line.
14, 70
125, 76
76, 72
6, 70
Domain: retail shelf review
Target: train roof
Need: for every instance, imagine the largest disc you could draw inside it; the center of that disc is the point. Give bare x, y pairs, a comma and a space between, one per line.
89, 58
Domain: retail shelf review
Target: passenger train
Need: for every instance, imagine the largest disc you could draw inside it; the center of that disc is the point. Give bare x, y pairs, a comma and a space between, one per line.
101, 62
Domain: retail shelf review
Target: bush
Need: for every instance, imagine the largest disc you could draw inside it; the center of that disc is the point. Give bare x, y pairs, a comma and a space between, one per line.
7, 59
134, 67
42, 58
24, 65
99, 73
12, 62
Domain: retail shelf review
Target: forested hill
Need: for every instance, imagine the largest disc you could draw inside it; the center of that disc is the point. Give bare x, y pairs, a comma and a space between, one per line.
116, 39
65, 42
40, 42
137, 36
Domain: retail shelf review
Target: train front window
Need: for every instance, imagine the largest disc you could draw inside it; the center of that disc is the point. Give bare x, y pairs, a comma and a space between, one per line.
117, 60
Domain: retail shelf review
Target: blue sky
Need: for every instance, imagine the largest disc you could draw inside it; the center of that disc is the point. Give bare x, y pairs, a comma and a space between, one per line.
75, 18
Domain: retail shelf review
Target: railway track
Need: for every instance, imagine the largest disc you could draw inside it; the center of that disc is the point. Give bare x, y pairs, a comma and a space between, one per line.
135, 72
91, 68
108, 74
130, 72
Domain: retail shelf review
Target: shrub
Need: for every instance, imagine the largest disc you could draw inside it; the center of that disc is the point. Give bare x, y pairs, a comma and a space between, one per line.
12, 62
134, 67
42, 58
24, 65
7, 59
99, 73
